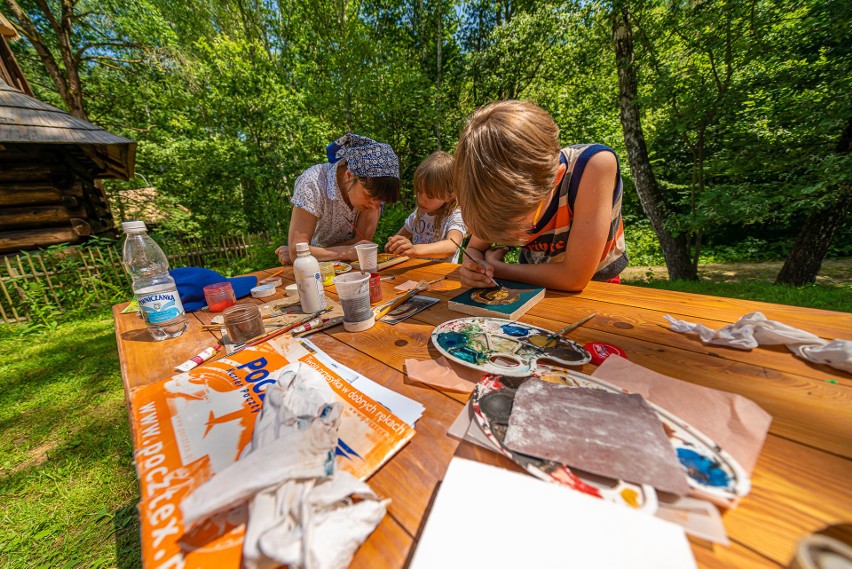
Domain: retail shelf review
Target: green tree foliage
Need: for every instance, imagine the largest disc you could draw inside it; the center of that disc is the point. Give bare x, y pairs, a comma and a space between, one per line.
742, 103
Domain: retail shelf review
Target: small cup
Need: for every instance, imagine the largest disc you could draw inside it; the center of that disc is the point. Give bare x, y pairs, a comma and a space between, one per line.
219, 296
243, 322
327, 272
353, 290
367, 257
375, 288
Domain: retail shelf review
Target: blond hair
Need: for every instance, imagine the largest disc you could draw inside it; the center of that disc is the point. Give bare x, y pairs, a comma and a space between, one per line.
434, 177
507, 160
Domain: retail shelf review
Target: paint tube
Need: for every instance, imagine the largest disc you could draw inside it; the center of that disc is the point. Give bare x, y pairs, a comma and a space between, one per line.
316, 325
198, 360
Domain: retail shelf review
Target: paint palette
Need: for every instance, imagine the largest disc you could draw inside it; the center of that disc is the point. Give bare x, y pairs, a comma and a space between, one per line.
492, 400
507, 347
712, 473
341, 268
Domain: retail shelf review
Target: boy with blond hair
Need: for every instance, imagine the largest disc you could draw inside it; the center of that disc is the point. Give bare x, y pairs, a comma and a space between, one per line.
516, 187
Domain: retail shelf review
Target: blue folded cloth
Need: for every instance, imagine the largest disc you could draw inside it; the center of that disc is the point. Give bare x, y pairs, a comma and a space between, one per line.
191, 281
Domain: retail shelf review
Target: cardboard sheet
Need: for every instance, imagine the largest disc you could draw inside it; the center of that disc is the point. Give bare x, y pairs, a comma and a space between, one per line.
484, 516
616, 435
736, 424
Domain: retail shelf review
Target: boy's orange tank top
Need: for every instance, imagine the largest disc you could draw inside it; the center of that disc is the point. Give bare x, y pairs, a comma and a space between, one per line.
551, 233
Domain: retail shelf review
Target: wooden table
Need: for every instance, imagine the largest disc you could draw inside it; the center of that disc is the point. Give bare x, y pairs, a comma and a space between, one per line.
801, 482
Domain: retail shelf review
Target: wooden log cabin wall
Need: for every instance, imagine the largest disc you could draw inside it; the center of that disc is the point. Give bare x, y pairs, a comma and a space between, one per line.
48, 196
50, 165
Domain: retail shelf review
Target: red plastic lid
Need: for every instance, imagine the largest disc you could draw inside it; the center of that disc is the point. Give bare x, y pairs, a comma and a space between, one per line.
601, 351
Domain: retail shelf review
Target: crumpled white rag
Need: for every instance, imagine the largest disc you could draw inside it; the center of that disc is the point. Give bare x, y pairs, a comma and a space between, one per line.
302, 512
754, 329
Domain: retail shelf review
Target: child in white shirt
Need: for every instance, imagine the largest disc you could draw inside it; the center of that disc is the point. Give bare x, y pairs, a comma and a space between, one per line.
428, 231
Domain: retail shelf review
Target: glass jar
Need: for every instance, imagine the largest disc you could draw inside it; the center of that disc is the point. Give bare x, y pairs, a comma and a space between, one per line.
219, 296
327, 272
243, 322
375, 288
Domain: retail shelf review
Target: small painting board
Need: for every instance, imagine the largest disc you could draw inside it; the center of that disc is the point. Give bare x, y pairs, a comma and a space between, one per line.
383, 260
517, 299
409, 308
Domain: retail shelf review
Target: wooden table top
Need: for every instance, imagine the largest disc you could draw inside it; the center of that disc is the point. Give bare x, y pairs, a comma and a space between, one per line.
802, 479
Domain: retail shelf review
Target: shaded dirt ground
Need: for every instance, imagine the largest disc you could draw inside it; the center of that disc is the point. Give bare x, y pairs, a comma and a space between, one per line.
838, 271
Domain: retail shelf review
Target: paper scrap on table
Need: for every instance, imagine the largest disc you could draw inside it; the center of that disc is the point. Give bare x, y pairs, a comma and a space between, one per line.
301, 511
754, 330
438, 373
546, 525
407, 285
617, 435
737, 424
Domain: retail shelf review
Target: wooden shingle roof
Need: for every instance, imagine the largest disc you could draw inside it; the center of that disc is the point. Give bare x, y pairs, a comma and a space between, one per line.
24, 119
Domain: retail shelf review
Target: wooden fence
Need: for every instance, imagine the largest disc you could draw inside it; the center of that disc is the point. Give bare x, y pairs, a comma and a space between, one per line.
36, 284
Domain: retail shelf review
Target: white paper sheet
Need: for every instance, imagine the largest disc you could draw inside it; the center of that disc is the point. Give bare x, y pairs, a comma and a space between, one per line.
512, 520
403, 407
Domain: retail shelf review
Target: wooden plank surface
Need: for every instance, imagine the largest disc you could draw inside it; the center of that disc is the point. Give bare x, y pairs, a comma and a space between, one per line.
799, 483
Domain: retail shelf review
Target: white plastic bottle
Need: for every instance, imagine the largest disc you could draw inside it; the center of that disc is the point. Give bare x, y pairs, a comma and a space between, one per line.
153, 286
306, 271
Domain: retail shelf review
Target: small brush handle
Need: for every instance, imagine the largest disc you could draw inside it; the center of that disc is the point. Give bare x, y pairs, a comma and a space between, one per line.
479, 262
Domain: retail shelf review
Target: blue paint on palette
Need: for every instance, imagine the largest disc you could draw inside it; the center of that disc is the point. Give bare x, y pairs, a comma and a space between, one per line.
703, 469
449, 340
513, 330
466, 354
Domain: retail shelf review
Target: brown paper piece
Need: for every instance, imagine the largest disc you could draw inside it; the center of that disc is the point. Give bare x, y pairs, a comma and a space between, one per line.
407, 285
737, 424
616, 435
438, 373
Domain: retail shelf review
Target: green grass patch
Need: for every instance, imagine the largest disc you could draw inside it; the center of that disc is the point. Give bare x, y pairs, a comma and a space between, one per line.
68, 489
827, 297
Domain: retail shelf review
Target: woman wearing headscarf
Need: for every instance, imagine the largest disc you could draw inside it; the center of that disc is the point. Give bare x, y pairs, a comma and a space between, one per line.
336, 205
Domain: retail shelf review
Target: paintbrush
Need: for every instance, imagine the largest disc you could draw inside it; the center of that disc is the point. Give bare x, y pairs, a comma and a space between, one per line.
427, 284
382, 309
574, 326
479, 262
361, 235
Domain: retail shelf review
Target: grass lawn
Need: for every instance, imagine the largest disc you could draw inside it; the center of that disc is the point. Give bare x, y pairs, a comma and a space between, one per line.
68, 489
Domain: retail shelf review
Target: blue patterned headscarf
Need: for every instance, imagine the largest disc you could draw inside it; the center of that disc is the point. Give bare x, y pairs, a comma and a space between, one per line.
364, 156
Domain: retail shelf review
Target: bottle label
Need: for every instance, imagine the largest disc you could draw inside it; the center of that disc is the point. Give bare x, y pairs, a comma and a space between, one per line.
161, 306
311, 288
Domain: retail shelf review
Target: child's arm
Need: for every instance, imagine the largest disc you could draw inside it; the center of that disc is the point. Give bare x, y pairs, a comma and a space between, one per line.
589, 231
302, 227
436, 250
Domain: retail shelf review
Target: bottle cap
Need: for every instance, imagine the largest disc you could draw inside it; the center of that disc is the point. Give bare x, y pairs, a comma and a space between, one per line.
303, 248
133, 226
601, 351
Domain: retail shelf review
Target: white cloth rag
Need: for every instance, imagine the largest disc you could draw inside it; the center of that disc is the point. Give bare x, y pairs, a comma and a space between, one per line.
754, 329
302, 513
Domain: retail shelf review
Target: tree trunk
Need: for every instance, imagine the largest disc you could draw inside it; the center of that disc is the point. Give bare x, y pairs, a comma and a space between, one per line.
813, 241
675, 249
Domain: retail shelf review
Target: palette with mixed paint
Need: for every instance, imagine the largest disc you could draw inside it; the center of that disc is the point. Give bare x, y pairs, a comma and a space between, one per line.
712, 473
492, 400
496, 345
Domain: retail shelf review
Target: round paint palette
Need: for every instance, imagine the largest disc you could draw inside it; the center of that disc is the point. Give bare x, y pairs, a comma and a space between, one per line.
492, 401
341, 268
713, 474
499, 346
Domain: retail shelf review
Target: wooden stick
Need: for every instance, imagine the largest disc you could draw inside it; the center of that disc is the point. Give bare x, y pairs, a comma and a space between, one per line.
275, 274
380, 312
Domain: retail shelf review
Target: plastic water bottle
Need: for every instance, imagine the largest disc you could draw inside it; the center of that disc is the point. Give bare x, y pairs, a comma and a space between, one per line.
153, 286
306, 271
